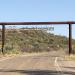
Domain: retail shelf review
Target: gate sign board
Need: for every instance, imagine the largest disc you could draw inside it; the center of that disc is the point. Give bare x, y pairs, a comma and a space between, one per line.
37, 23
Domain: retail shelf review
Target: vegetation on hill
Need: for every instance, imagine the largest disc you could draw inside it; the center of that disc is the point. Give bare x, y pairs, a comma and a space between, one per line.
21, 40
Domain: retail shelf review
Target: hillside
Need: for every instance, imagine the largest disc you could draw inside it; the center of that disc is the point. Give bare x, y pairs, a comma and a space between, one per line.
33, 41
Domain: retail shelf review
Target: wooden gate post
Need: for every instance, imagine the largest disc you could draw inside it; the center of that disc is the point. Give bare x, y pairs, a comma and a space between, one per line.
70, 39
3, 38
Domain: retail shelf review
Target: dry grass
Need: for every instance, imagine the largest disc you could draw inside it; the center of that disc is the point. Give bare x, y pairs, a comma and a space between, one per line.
70, 57
25, 54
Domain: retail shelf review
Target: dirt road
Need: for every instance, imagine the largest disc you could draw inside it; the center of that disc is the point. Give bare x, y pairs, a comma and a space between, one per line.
42, 64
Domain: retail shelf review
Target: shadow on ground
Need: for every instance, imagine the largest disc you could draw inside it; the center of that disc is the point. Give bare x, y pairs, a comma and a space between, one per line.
37, 72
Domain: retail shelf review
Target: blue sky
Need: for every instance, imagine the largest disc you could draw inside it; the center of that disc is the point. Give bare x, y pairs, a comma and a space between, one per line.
39, 10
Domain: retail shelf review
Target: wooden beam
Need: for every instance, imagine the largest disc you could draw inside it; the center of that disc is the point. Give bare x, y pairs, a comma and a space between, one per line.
3, 38
35, 23
70, 39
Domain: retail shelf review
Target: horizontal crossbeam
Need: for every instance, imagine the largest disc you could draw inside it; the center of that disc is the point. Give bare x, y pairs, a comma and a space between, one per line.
35, 23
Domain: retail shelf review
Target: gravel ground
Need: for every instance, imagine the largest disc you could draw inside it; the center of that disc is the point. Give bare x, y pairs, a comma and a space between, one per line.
52, 63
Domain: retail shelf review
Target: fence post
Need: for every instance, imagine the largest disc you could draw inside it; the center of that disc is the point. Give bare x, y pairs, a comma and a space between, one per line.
70, 39
3, 38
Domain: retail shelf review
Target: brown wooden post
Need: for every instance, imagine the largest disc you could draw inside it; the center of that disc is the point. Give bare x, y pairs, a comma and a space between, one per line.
3, 38
70, 39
